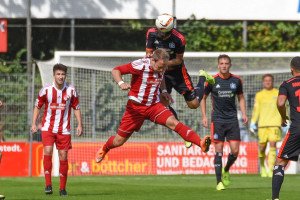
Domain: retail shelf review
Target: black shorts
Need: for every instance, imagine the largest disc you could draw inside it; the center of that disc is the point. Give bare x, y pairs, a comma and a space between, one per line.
221, 131
290, 147
180, 80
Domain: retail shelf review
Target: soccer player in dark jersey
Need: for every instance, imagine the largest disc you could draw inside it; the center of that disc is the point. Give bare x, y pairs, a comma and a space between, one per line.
165, 36
290, 148
224, 124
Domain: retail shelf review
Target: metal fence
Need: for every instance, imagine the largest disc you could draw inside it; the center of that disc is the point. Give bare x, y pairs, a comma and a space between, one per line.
15, 93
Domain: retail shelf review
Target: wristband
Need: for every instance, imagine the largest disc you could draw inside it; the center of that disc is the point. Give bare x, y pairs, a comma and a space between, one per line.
120, 83
164, 91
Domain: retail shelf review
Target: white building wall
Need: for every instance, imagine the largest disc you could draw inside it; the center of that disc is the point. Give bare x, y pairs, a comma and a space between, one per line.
149, 9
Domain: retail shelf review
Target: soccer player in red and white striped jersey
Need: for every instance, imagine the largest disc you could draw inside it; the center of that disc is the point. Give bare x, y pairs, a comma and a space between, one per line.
59, 98
144, 102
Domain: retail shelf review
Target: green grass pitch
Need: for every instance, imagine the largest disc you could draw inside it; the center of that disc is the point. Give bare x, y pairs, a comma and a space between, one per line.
181, 187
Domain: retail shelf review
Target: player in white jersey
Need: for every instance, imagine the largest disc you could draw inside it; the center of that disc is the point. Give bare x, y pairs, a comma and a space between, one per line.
58, 99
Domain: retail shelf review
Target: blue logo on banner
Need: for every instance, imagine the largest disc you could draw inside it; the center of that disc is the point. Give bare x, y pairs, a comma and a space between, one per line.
299, 6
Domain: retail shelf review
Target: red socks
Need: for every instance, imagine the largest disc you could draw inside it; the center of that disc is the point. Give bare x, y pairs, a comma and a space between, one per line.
63, 173
109, 144
187, 134
48, 169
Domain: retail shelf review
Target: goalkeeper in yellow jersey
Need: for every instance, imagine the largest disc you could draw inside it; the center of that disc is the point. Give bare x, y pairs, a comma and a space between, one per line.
266, 115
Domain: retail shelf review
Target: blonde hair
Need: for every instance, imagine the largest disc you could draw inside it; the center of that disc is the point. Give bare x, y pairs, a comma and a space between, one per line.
161, 54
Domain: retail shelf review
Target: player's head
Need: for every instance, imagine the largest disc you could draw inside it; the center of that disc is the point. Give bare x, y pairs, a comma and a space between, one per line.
160, 59
295, 66
268, 81
164, 24
59, 73
224, 63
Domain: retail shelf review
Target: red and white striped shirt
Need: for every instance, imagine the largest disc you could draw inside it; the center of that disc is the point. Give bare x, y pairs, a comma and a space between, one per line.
58, 104
145, 82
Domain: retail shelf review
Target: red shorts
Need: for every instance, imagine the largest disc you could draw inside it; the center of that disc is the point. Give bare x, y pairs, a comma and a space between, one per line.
135, 115
62, 142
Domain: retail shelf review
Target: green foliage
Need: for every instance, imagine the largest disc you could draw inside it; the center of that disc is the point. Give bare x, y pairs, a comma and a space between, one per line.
13, 92
204, 35
274, 36
135, 25
14, 66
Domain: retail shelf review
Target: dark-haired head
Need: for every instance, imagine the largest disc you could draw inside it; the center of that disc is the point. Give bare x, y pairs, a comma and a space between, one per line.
295, 63
61, 67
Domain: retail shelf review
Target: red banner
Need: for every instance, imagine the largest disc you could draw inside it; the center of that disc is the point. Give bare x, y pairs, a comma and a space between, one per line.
133, 158
14, 159
3, 35
157, 158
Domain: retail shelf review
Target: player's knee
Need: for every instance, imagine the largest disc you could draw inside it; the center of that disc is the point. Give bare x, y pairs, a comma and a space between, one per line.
48, 152
281, 162
272, 144
172, 122
193, 104
63, 155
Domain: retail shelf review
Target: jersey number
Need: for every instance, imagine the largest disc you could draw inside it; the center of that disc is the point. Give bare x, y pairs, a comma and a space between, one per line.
297, 94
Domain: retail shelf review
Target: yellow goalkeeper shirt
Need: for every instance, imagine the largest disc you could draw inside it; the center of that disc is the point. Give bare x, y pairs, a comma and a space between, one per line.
265, 109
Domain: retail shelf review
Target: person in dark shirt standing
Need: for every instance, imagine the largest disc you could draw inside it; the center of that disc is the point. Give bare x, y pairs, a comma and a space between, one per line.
224, 124
165, 36
290, 148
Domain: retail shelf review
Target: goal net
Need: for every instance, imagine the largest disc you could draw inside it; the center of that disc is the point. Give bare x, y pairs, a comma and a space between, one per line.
103, 103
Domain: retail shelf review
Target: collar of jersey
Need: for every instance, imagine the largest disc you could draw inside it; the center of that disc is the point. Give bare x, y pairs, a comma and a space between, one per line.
219, 75
65, 85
